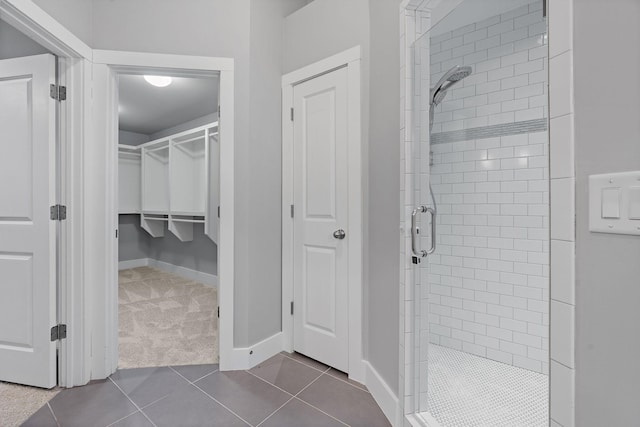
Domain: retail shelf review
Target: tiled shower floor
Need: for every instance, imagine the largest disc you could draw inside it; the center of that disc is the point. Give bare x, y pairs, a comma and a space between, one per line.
470, 391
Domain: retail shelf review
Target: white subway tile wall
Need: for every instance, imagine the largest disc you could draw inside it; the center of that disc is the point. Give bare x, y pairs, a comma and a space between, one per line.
489, 278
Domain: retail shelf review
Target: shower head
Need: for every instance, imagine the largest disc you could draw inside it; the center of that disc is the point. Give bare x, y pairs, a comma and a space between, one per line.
450, 78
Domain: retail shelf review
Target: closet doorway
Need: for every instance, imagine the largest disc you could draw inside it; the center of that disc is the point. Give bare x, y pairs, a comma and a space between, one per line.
168, 198
169, 183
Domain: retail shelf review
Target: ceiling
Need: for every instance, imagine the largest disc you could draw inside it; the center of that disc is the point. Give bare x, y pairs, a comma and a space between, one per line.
458, 13
148, 109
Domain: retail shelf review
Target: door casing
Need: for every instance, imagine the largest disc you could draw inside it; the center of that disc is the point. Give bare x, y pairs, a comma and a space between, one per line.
350, 59
73, 69
106, 67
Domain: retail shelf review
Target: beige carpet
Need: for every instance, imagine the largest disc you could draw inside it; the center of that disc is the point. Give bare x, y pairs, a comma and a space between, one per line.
19, 402
165, 320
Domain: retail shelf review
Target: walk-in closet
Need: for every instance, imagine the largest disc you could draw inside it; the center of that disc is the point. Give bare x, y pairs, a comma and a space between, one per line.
168, 205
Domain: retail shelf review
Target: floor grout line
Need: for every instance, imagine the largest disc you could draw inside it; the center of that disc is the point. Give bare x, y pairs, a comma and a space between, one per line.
221, 404
307, 403
196, 380
271, 384
320, 410
285, 354
52, 413
125, 417
326, 372
271, 414
295, 396
130, 400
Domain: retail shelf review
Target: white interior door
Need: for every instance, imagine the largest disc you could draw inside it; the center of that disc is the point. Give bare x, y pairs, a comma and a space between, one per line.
320, 274
27, 235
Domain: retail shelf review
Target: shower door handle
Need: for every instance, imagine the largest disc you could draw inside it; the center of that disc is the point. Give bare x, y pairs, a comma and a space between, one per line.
421, 253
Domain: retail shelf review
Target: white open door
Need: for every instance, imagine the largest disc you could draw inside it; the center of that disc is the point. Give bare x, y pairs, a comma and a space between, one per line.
27, 234
321, 235
212, 226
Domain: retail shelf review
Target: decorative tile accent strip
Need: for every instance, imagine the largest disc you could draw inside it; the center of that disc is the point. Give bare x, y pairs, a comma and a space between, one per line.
527, 126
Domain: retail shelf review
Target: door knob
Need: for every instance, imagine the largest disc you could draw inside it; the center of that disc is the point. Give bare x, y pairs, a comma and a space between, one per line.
339, 234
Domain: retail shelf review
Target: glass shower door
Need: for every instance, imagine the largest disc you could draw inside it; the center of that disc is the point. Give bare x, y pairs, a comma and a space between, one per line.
480, 156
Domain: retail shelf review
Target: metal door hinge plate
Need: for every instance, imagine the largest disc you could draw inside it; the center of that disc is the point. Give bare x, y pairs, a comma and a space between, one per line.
58, 212
59, 93
58, 332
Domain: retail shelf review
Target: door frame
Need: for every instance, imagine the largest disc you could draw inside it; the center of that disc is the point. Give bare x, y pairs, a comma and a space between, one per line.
74, 58
107, 66
349, 59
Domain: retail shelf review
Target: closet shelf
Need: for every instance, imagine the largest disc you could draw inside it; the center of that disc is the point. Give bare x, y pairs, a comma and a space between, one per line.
179, 182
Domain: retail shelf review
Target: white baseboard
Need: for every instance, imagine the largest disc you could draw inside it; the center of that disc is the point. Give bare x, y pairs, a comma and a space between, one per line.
187, 273
247, 357
134, 263
383, 395
423, 419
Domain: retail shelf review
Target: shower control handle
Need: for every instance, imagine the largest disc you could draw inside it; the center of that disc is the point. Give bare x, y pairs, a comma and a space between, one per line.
339, 234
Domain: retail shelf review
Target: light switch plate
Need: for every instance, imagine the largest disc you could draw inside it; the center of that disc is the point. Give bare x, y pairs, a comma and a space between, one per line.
613, 203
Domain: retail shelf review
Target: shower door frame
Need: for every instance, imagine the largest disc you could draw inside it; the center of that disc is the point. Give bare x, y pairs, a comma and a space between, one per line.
415, 21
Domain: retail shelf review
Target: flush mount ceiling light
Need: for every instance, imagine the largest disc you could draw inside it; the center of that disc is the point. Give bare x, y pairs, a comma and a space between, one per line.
159, 81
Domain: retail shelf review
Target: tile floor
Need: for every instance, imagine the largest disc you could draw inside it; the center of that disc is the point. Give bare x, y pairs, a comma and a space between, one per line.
286, 390
467, 390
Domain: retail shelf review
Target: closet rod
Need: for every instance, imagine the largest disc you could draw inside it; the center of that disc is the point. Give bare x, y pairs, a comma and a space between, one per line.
151, 150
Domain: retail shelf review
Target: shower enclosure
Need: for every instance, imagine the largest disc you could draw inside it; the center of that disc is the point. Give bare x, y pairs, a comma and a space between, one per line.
477, 191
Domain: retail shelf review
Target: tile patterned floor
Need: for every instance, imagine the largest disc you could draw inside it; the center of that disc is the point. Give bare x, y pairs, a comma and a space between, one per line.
470, 391
288, 390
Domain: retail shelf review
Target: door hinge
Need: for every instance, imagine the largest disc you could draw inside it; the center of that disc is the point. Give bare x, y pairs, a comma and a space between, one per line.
292, 308
58, 212
218, 312
59, 93
218, 113
58, 332
218, 211
292, 114
292, 211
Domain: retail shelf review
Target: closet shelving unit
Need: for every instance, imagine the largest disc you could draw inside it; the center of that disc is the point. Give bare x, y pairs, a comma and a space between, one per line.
180, 179
129, 187
155, 186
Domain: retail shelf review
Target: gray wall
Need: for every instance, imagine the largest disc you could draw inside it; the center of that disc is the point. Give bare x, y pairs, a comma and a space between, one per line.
14, 44
132, 138
201, 254
324, 28
384, 198
74, 15
265, 169
133, 241
606, 40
